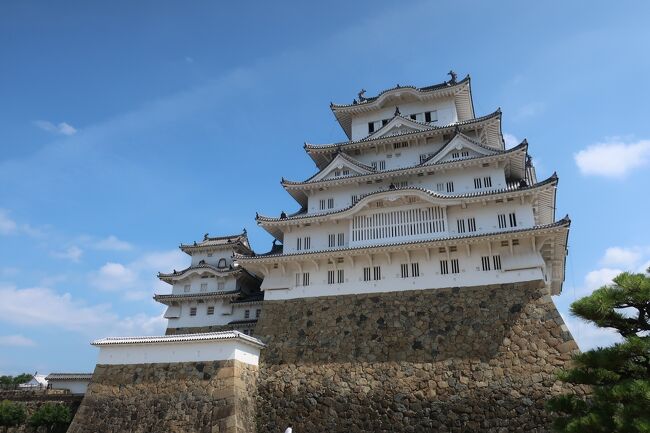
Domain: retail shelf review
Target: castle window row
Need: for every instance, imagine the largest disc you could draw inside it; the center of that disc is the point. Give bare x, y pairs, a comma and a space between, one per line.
485, 182
303, 243
426, 116
326, 203
221, 286
414, 268
512, 219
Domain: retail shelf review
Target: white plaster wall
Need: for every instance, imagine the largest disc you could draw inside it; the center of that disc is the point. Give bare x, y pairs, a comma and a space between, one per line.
212, 257
222, 314
463, 180
195, 280
486, 221
529, 266
444, 106
194, 351
74, 386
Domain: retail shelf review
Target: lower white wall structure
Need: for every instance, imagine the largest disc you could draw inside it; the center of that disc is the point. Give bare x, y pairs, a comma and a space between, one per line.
211, 346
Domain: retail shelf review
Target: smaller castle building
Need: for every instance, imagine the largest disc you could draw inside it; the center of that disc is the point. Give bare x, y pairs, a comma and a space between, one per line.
213, 293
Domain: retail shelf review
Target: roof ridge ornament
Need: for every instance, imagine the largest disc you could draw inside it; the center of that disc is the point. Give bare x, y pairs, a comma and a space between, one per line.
205, 236
397, 112
361, 95
453, 76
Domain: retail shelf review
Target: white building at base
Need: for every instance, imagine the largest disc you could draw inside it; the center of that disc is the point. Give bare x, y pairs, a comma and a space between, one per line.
423, 195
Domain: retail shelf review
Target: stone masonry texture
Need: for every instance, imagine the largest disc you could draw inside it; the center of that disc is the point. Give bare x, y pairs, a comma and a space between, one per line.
477, 359
189, 397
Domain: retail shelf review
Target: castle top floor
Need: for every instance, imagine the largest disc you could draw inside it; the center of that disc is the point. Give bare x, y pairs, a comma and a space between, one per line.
440, 104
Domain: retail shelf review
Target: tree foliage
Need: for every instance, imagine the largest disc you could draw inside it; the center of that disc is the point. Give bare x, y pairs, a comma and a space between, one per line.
12, 382
619, 376
55, 417
11, 414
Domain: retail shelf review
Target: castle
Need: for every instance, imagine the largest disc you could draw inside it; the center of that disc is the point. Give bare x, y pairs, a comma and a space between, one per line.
411, 291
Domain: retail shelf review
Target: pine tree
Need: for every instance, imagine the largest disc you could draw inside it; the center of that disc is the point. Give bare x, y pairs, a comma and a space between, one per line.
11, 414
619, 376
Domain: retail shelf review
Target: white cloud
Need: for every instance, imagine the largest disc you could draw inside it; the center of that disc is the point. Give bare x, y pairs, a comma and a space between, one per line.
62, 128
43, 307
627, 258
112, 243
598, 278
511, 140
613, 158
72, 253
589, 336
16, 340
115, 276
7, 225
137, 278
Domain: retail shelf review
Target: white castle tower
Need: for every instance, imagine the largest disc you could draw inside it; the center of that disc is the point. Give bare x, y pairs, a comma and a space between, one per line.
423, 195
214, 293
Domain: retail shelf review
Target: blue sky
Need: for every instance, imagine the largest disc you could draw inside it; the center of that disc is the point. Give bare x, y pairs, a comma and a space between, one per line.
129, 127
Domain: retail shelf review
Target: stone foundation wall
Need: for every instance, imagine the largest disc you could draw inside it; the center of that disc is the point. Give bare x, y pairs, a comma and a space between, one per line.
450, 360
32, 400
188, 397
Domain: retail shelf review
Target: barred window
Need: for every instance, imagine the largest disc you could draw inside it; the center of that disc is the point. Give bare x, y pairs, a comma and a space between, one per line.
496, 261
331, 240
307, 241
455, 269
450, 186
247, 314
405, 270
487, 181
355, 199
305, 279
502, 220
192, 311
444, 267
485, 263
299, 244
366, 274
330, 203
322, 204
377, 272
471, 224
513, 219
210, 311
341, 239
330, 277
340, 274
461, 226
477, 182
415, 269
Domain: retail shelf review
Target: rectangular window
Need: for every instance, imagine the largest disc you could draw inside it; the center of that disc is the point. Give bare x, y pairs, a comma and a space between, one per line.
258, 312
330, 203
455, 269
305, 279
415, 269
502, 220
247, 314
487, 181
471, 224
204, 287
371, 127
405, 270
355, 199
192, 311
381, 165
485, 263
337, 173
496, 261
330, 277
377, 272
298, 279
455, 155
413, 116
513, 219
430, 116
444, 267
331, 240
440, 187
322, 204
299, 244
340, 275
461, 226
477, 182
221, 286
464, 154
186, 288
341, 239
307, 242
403, 183
366, 274
345, 172
210, 311
450, 186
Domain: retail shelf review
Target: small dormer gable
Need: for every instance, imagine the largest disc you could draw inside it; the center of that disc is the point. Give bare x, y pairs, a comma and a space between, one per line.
342, 166
460, 147
398, 125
